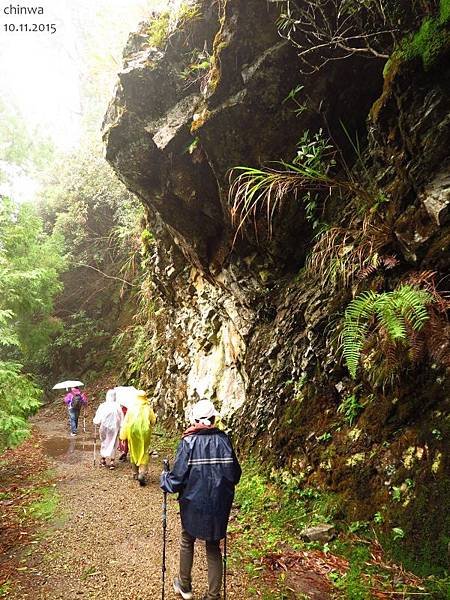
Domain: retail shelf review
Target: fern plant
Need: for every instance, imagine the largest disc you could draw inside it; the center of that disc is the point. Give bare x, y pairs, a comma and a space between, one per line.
396, 312
350, 407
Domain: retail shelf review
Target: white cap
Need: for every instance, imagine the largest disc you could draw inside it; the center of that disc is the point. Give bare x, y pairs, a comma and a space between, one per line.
203, 410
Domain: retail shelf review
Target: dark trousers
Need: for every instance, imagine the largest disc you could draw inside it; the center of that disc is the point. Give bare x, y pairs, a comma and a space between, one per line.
214, 558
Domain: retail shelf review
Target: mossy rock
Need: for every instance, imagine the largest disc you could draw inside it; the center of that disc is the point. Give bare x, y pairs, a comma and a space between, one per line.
431, 43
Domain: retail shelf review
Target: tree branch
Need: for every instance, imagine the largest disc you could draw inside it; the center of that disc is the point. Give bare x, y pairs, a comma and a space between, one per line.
108, 276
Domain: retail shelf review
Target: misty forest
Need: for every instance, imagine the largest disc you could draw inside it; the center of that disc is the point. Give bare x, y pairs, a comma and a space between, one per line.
240, 207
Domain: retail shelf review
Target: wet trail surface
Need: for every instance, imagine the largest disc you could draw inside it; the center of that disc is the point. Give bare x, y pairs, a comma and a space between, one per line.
105, 540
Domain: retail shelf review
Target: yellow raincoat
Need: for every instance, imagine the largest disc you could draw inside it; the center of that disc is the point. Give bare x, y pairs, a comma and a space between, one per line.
137, 428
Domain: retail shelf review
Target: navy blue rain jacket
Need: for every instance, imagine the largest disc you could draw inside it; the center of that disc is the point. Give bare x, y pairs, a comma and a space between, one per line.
204, 474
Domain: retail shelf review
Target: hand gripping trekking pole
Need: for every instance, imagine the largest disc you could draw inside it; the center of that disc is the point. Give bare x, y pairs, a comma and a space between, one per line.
164, 524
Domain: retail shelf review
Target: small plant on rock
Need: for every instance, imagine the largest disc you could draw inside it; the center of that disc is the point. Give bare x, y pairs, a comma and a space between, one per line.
350, 407
159, 30
261, 192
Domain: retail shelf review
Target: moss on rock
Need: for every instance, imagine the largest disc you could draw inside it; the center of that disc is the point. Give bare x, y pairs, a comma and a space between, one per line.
429, 43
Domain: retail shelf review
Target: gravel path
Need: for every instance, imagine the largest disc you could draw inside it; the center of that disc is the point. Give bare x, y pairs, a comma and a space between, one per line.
106, 538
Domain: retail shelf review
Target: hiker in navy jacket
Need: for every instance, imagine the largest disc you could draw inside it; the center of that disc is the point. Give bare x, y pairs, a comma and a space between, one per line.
204, 474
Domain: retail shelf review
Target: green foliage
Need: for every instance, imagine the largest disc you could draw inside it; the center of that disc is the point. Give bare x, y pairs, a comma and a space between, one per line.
315, 154
350, 407
19, 397
378, 518
5, 588
272, 511
279, 506
76, 344
358, 526
30, 263
197, 68
78, 331
159, 30
292, 96
444, 11
138, 350
190, 149
353, 584
44, 508
438, 588
187, 12
261, 192
395, 312
85, 204
137, 344
430, 41
398, 533
161, 27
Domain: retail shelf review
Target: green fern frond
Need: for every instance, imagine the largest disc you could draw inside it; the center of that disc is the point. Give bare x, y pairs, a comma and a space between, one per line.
389, 318
411, 303
395, 312
356, 324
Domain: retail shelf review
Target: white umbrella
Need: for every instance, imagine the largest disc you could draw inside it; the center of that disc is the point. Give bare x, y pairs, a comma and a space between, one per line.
65, 385
125, 395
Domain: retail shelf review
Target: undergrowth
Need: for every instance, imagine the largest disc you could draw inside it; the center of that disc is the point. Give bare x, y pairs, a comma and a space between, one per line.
166, 22
273, 509
159, 30
45, 506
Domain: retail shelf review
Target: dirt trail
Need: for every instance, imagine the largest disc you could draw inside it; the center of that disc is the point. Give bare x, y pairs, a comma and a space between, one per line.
106, 538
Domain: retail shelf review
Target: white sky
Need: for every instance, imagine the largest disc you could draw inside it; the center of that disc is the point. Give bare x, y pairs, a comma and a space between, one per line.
40, 72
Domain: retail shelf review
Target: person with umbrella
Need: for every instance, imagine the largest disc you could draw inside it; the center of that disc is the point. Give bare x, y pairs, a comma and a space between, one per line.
74, 400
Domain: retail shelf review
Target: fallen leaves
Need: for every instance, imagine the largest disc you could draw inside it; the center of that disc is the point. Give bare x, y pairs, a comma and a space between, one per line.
23, 473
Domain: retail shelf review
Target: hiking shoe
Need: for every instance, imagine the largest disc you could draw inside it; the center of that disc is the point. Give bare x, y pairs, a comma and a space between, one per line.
185, 593
142, 481
123, 457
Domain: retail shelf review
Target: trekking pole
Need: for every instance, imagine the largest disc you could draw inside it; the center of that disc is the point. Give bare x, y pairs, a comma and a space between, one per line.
164, 523
84, 420
95, 442
225, 567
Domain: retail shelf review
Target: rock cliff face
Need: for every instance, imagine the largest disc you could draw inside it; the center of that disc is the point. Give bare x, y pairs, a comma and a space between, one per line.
236, 323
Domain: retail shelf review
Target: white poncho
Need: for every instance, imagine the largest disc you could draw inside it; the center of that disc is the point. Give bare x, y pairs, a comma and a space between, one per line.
109, 417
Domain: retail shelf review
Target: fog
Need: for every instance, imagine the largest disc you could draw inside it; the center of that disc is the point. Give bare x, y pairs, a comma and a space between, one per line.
57, 75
